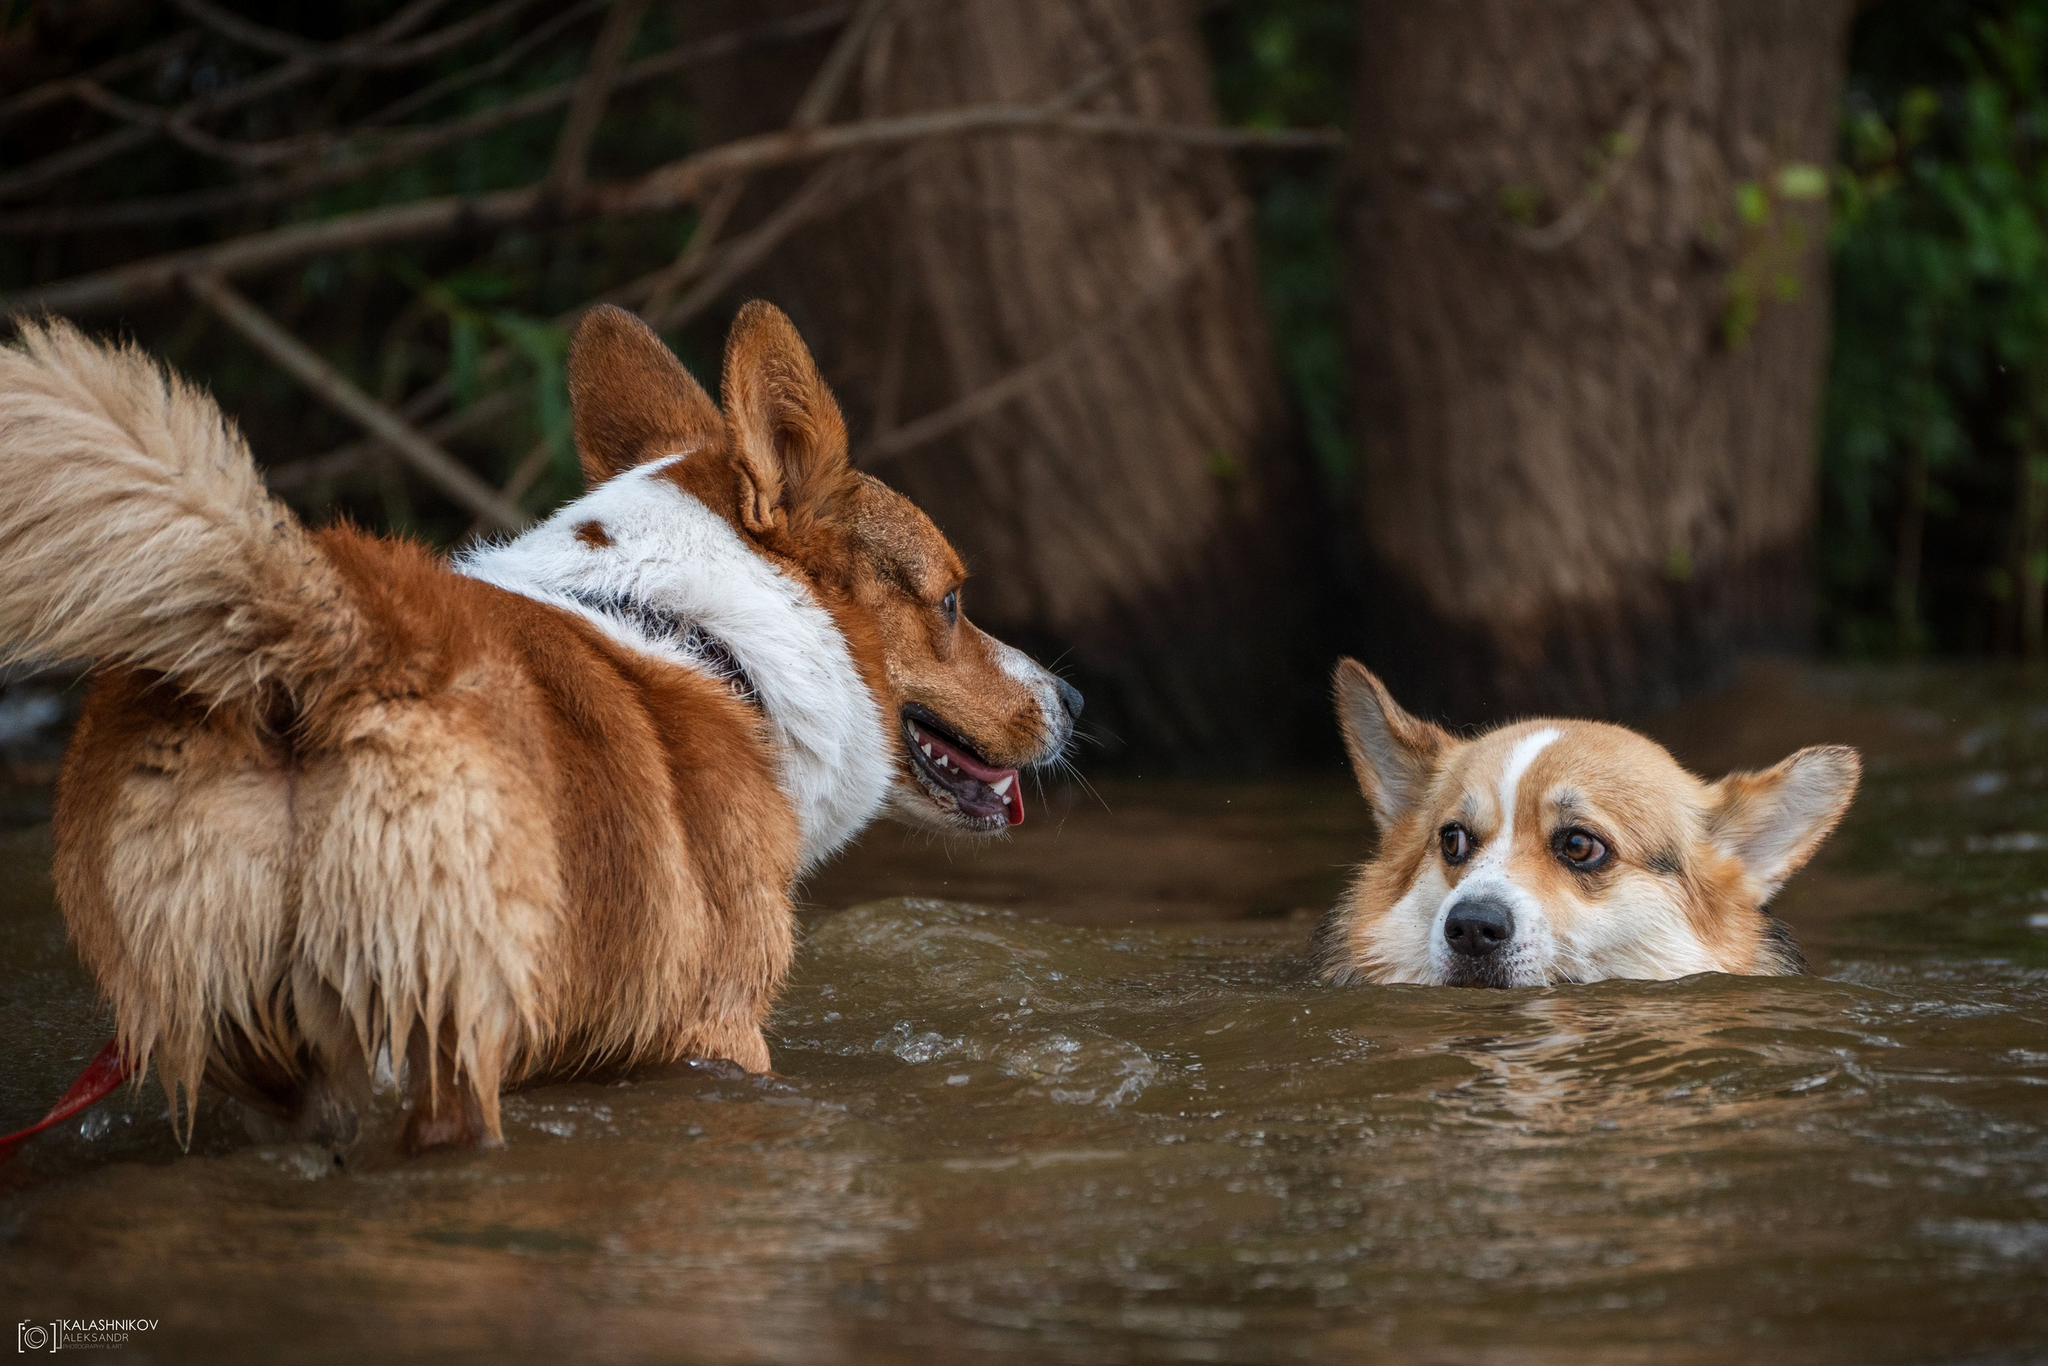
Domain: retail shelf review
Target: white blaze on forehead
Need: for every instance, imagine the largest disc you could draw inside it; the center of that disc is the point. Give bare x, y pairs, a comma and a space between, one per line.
1519, 758
1488, 876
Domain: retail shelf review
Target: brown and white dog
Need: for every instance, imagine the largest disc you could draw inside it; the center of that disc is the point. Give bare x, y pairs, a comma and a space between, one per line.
1549, 852
535, 811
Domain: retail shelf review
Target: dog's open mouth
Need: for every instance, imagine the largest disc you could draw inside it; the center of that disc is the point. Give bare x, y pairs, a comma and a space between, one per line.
984, 796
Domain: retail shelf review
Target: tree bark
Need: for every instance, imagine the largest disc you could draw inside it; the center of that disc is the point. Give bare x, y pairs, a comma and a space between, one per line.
1127, 502
1590, 320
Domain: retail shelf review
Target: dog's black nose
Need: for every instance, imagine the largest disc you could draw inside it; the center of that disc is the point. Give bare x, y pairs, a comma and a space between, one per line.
1070, 698
1478, 927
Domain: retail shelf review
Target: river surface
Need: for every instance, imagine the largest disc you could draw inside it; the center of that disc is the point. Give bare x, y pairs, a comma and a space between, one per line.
1073, 1099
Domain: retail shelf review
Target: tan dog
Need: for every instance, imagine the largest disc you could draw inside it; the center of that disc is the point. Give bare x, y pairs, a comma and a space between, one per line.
1565, 851
536, 811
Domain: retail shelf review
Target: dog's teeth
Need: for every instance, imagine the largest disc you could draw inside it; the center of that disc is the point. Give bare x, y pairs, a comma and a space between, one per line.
1002, 789
927, 748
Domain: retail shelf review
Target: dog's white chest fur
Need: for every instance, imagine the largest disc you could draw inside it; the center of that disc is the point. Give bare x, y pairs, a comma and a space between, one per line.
678, 557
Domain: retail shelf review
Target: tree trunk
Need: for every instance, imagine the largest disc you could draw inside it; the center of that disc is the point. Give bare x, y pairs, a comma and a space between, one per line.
1128, 505
1588, 297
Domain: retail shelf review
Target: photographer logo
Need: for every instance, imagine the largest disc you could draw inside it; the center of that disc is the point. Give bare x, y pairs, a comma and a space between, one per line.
60, 1335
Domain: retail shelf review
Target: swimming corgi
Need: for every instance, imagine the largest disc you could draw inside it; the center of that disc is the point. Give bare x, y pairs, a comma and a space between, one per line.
1549, 852
531, 811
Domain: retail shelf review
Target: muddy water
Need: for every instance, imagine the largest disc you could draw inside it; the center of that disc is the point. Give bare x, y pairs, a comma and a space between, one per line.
1100, 1116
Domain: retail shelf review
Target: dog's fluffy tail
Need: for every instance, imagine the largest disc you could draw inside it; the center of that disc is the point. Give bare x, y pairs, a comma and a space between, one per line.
134, 529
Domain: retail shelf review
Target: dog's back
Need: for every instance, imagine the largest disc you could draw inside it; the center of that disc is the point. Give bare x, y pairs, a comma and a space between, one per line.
334, 798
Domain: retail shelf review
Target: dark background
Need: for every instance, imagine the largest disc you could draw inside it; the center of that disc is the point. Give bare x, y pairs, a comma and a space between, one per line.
1617, 339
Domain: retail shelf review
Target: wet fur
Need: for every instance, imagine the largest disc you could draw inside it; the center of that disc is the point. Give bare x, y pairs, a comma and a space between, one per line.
333, 797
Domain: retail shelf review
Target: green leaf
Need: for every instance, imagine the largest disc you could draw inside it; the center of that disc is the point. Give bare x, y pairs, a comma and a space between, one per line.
478, 286
546, 349
1918, 109
1802, 180
1752, 204
1872, 137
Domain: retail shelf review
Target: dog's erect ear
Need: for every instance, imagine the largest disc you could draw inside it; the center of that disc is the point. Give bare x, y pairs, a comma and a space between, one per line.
1392, 753
789, 442
632, 399
1772, 821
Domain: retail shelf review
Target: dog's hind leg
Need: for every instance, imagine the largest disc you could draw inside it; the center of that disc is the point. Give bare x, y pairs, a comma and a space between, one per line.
429, 904
448, 1108
307, 1082
174, 868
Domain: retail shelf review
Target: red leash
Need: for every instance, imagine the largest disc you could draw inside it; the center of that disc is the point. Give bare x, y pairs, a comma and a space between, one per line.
100, 1076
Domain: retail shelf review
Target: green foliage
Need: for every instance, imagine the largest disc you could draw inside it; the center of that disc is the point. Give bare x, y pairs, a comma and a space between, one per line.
1937, 401
1279, 64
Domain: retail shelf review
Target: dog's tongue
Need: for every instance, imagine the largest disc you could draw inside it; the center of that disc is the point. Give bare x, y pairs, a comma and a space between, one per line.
1002, 781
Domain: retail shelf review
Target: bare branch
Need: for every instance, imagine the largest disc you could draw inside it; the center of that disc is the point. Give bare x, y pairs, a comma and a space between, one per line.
278, 247
724, 263
744, 255
900, 442
347, 460
690, 260
681, 181
661, 190
406, 20
439, 468
570, 168
71, 160
811, 110
746, 252
343, 461
180, 129
829, 189
375, 49
825, 87
483, 71
286, 74
114, 69
405, 146
432, 397
528, 472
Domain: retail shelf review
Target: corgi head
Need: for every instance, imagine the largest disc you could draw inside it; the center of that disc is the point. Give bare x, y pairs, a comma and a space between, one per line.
1549, 852
835, 598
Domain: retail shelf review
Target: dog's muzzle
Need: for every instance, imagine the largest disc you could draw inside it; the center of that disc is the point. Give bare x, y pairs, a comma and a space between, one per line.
1479, 934
1479, 929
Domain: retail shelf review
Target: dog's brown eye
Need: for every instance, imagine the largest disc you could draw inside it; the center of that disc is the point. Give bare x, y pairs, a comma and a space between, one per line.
1456, 841
950, 605
1580, 849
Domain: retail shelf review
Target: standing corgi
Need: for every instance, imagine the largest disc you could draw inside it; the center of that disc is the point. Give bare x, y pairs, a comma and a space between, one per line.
531, 812
1547, 852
